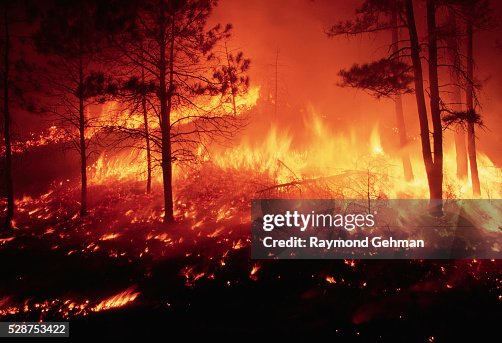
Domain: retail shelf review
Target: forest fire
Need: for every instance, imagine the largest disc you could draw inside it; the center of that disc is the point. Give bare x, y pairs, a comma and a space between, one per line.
118, 300
141, 149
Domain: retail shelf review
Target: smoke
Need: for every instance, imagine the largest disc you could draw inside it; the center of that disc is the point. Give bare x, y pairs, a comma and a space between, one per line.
309, 61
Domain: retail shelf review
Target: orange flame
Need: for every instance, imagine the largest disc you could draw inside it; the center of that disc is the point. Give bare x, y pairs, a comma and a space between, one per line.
118, 300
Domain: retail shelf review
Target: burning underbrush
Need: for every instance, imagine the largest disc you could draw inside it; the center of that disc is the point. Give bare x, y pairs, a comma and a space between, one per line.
123, 231
122, 258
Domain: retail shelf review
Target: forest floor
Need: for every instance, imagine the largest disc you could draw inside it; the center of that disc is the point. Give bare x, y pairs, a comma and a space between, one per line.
120, 272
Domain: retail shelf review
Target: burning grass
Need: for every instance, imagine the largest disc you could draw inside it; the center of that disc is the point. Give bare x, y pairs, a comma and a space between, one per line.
122, 258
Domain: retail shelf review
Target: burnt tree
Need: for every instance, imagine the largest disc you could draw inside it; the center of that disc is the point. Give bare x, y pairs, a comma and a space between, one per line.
452, 37
17, 83
170, 42
388, 77
9, 186
70, 36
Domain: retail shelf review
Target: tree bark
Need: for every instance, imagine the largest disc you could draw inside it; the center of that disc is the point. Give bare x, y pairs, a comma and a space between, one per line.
401, 127
165, 114
420, 99
7, 124
437, 134
459, 135
83, 150
147, 138
471, 136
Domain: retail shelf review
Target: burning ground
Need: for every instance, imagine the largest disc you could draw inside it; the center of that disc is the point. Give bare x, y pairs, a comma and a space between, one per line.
120, 268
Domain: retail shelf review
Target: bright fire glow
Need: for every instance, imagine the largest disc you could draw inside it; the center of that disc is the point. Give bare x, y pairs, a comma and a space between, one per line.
118, 300
346, 164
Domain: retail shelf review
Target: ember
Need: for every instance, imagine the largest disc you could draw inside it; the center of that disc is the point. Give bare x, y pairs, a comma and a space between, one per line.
118, 300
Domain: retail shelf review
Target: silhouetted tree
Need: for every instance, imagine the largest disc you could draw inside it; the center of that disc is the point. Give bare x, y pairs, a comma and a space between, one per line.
477, 14
7, 116
170, 41
452, 37
469, 99
148, 147
71, 37
134, 95
16, 82
398, 102
435, 170
379, 15
232, 75
474, 14
388, 77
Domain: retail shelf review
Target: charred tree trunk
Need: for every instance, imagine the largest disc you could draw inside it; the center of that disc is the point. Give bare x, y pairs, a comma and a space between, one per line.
165, 114
453, 52
459, 135
471, 136
437, 134
82, 148
401, 127
420, 98
6, 127
147, 138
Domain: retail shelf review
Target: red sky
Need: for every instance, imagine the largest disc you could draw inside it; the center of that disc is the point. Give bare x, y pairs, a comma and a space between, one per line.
309, 61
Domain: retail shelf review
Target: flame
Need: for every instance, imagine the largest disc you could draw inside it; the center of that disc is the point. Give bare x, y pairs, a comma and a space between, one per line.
350, 165
376, 146
253, 275
131, 164
330, 279
127, 165
109, 236
5, 240
52, 135
248, 101
191, 275
118, 300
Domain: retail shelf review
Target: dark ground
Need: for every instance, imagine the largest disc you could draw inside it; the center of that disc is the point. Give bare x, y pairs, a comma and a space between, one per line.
366, 301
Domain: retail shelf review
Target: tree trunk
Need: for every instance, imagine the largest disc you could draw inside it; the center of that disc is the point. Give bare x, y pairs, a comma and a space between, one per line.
7, 124
437, 134
401, 127
420, 99
83, 150
165, 114
459, 136
147, 138
471, 136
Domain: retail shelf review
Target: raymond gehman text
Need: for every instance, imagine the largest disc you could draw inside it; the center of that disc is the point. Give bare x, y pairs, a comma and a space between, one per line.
315, 242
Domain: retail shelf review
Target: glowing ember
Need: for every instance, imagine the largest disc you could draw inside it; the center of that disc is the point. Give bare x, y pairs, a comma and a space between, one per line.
330, 279
253, 275
5, 240
118, 300
109, 236
191, 276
